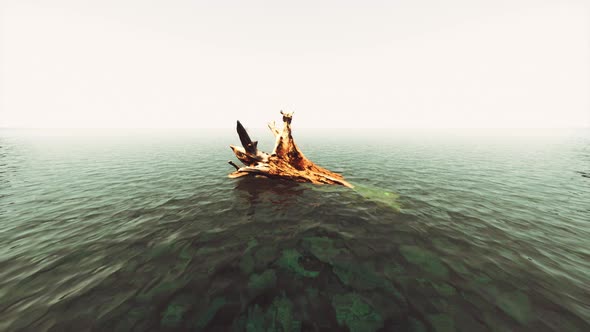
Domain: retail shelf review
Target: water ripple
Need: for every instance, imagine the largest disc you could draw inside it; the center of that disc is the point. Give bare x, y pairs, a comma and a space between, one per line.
475, 234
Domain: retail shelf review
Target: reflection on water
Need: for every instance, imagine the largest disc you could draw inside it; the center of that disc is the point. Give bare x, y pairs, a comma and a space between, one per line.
131, 236
252, 191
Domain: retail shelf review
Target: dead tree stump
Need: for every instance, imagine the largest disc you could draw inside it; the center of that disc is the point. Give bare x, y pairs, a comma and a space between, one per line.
286, 160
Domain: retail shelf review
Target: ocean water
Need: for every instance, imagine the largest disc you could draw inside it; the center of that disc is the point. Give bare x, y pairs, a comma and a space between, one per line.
444, 231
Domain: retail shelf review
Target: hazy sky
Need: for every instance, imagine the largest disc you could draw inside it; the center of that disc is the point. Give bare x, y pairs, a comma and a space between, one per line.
414, 63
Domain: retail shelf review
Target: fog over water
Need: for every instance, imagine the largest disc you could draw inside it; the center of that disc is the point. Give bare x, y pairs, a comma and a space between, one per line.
338, 64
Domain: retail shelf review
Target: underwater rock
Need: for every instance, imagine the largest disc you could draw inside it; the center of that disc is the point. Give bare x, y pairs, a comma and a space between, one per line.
205, 251
172, 316
416, 325
445, 245
265, 280
283, 313
356, 314
208, 315
264, 256
458, 267
440, 304
364, 277
185, 254
466, 321
157, 251
251, 244
247, 263
425, 259
516, 305
131, 318
442, 322
356, 275
255, 319
444, 289
321, 247
290, 261
278, 317
162, 289
393, 271
312, 294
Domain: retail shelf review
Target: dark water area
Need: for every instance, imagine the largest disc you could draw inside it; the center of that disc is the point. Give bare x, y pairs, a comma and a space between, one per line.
444, 231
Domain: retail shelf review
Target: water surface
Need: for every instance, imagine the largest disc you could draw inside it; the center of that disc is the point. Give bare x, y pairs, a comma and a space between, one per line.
141, 230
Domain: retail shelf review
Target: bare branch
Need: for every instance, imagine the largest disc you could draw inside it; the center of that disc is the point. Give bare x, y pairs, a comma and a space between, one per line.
286, 161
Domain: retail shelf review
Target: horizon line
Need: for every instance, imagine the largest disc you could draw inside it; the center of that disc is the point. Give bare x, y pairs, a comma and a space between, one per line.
323, 128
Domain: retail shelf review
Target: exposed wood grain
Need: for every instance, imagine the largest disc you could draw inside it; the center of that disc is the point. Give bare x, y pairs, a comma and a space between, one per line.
286, 160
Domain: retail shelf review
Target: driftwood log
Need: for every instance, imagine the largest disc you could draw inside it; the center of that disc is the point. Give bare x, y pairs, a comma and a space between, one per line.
286, 160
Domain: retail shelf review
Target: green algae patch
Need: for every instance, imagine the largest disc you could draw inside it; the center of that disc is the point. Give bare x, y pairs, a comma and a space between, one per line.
247, 264
251, 244
445, 245
282, 311
182, 261
415, 325
379, 196
312, 293
265, 280
264, 256
444, 289
290, 261
208, 315
204, 251
162, 289
158, 251
363, 277
356, 314
393, 271
516, 305
482, 279
172, 316
357, 275
130, 319
321, 247
458, 267
441, 304
255, 320
185, 254
278, 317
425, 259
442, 322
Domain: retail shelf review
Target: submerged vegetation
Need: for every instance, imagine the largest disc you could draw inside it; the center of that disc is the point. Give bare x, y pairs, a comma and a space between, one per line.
161, 251
317, 281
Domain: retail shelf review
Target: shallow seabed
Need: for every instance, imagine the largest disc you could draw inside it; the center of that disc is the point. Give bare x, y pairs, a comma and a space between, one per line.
444, 231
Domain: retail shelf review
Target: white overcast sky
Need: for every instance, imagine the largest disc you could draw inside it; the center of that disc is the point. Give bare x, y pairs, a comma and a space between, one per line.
407, 63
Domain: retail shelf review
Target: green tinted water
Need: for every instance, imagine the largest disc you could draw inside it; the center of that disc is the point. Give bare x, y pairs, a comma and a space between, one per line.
120, 231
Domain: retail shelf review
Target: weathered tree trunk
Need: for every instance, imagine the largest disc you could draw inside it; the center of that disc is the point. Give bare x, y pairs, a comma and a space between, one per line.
286, 160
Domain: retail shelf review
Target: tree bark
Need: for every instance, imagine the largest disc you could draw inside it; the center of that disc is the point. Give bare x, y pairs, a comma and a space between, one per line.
286, 160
